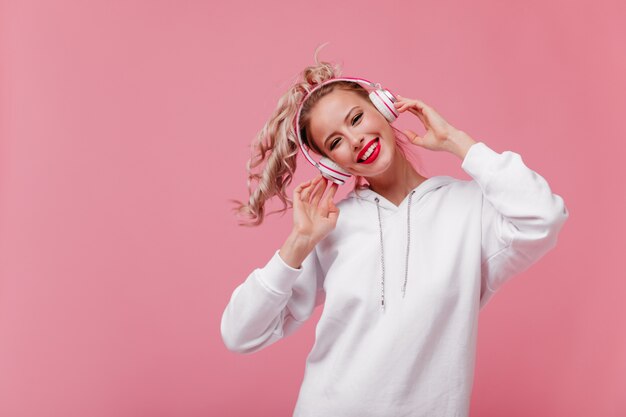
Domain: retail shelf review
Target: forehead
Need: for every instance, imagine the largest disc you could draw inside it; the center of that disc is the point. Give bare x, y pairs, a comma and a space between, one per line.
331, 109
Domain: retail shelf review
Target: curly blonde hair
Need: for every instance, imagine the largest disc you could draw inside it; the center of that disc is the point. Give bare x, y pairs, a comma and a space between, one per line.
276, 144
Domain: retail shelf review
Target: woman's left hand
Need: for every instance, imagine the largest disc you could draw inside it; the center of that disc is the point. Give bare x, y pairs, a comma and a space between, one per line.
438, 130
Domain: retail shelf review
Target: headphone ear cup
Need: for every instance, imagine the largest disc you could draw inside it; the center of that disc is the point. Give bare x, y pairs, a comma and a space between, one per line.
332, 171
382, 100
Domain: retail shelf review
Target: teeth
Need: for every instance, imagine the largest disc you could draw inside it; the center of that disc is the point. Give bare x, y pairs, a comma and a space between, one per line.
369, 151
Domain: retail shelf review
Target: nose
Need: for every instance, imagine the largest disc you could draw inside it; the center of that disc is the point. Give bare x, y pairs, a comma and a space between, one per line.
357, 142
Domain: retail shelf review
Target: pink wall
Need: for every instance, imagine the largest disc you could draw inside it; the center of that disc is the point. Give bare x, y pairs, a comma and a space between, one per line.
125, 128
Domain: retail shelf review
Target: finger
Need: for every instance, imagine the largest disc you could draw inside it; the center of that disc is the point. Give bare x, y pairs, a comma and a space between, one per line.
427, 111
420, 116
402, 99
317, 194
330, 208
401, 106
328, 197
421, 104
301, 186
305, 192
319, 191
324, 208
418, 104
304, 196
413, 137
327, 208
403, 102
333, 211
333, 208
333, 190
297, 193
412, 107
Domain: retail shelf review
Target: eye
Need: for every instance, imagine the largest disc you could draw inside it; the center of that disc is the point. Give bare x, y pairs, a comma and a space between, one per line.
337, 140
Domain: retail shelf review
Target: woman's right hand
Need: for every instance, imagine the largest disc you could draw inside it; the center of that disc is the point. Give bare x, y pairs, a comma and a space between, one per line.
314, 212
314, 216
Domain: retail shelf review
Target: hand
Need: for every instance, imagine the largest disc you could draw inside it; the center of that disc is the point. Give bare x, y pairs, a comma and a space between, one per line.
438, 130
314, 213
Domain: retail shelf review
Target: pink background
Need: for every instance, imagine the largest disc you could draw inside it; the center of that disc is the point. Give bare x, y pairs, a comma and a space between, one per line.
125, 128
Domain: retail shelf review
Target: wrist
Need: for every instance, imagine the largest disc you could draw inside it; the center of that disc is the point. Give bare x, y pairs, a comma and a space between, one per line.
459, 143
300, 240
296, 248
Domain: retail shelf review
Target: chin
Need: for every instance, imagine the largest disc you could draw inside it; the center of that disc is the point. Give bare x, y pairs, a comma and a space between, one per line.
379, 166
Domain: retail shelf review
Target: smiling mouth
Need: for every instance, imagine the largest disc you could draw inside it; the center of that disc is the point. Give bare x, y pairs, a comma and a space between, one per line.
370, 152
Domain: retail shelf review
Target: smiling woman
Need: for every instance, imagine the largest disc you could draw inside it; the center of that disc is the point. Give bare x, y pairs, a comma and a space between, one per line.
349, 139
402, 267
276, 142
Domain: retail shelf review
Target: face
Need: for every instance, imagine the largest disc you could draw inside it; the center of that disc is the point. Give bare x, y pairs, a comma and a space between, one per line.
353, 133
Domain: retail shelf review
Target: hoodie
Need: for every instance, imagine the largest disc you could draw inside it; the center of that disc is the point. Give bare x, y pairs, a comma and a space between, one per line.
401, 289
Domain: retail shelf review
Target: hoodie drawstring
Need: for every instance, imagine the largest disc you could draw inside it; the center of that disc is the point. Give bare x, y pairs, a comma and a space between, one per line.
382, 252
382, 259
408, 243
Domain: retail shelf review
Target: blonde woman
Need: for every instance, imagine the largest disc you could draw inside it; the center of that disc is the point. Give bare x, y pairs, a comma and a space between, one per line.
402, 264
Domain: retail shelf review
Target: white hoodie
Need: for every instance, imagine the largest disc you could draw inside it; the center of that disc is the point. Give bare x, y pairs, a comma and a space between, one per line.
416, 356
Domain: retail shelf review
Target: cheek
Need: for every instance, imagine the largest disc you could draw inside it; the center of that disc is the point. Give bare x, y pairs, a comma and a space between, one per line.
343, 155
379, 125
371, 122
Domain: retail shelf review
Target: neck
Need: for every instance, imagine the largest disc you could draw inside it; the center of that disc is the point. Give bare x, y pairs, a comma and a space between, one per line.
396, 182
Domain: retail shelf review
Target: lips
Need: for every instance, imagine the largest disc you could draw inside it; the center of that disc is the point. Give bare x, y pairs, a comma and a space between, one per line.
372, 147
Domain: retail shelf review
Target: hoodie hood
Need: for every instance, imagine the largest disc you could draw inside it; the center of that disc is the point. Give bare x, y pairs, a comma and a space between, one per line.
429, 184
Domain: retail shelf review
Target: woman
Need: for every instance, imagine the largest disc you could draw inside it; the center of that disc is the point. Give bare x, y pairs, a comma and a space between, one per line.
402, 264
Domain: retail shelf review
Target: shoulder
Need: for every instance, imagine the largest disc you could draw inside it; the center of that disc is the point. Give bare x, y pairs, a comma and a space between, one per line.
350, 205
460, 192
355, 201
462, 186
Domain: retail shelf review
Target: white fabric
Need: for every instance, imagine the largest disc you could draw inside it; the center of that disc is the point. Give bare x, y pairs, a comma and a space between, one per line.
417, 357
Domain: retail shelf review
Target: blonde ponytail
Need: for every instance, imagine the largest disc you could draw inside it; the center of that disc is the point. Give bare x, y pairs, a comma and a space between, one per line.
276, 146
273, 162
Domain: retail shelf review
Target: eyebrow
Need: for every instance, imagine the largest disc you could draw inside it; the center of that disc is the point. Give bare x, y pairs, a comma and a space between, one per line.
344, 120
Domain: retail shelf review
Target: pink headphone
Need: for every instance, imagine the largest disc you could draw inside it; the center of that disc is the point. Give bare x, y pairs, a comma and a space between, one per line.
383, 101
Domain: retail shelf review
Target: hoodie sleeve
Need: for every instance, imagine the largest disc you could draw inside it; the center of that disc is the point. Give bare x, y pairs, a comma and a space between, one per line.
272, 303
521, 217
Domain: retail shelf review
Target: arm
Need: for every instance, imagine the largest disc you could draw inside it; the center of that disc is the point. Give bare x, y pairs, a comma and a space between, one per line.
275, 300
521, 217
272, 303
